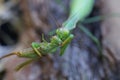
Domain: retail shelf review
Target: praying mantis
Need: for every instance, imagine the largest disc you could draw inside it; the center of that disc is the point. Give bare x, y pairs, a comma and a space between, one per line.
79, 10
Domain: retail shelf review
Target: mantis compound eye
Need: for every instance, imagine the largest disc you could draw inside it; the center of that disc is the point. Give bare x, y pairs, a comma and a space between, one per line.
62, 33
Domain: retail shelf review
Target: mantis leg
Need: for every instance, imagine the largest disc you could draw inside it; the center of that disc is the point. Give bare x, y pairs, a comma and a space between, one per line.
35, 46
65, 44
20, 66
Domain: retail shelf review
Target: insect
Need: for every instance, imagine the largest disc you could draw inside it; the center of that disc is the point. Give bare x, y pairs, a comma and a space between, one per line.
62, 38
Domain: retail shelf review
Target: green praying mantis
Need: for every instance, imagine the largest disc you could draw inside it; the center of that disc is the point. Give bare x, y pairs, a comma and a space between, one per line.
79, 10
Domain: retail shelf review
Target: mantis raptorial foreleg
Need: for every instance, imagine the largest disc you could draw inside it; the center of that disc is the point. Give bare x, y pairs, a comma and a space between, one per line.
35, 47
65, 44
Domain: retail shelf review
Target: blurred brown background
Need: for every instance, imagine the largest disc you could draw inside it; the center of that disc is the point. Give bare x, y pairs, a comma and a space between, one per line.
24, 21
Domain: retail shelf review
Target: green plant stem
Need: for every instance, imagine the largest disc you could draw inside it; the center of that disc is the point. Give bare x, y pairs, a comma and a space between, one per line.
95, 40
100, 17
